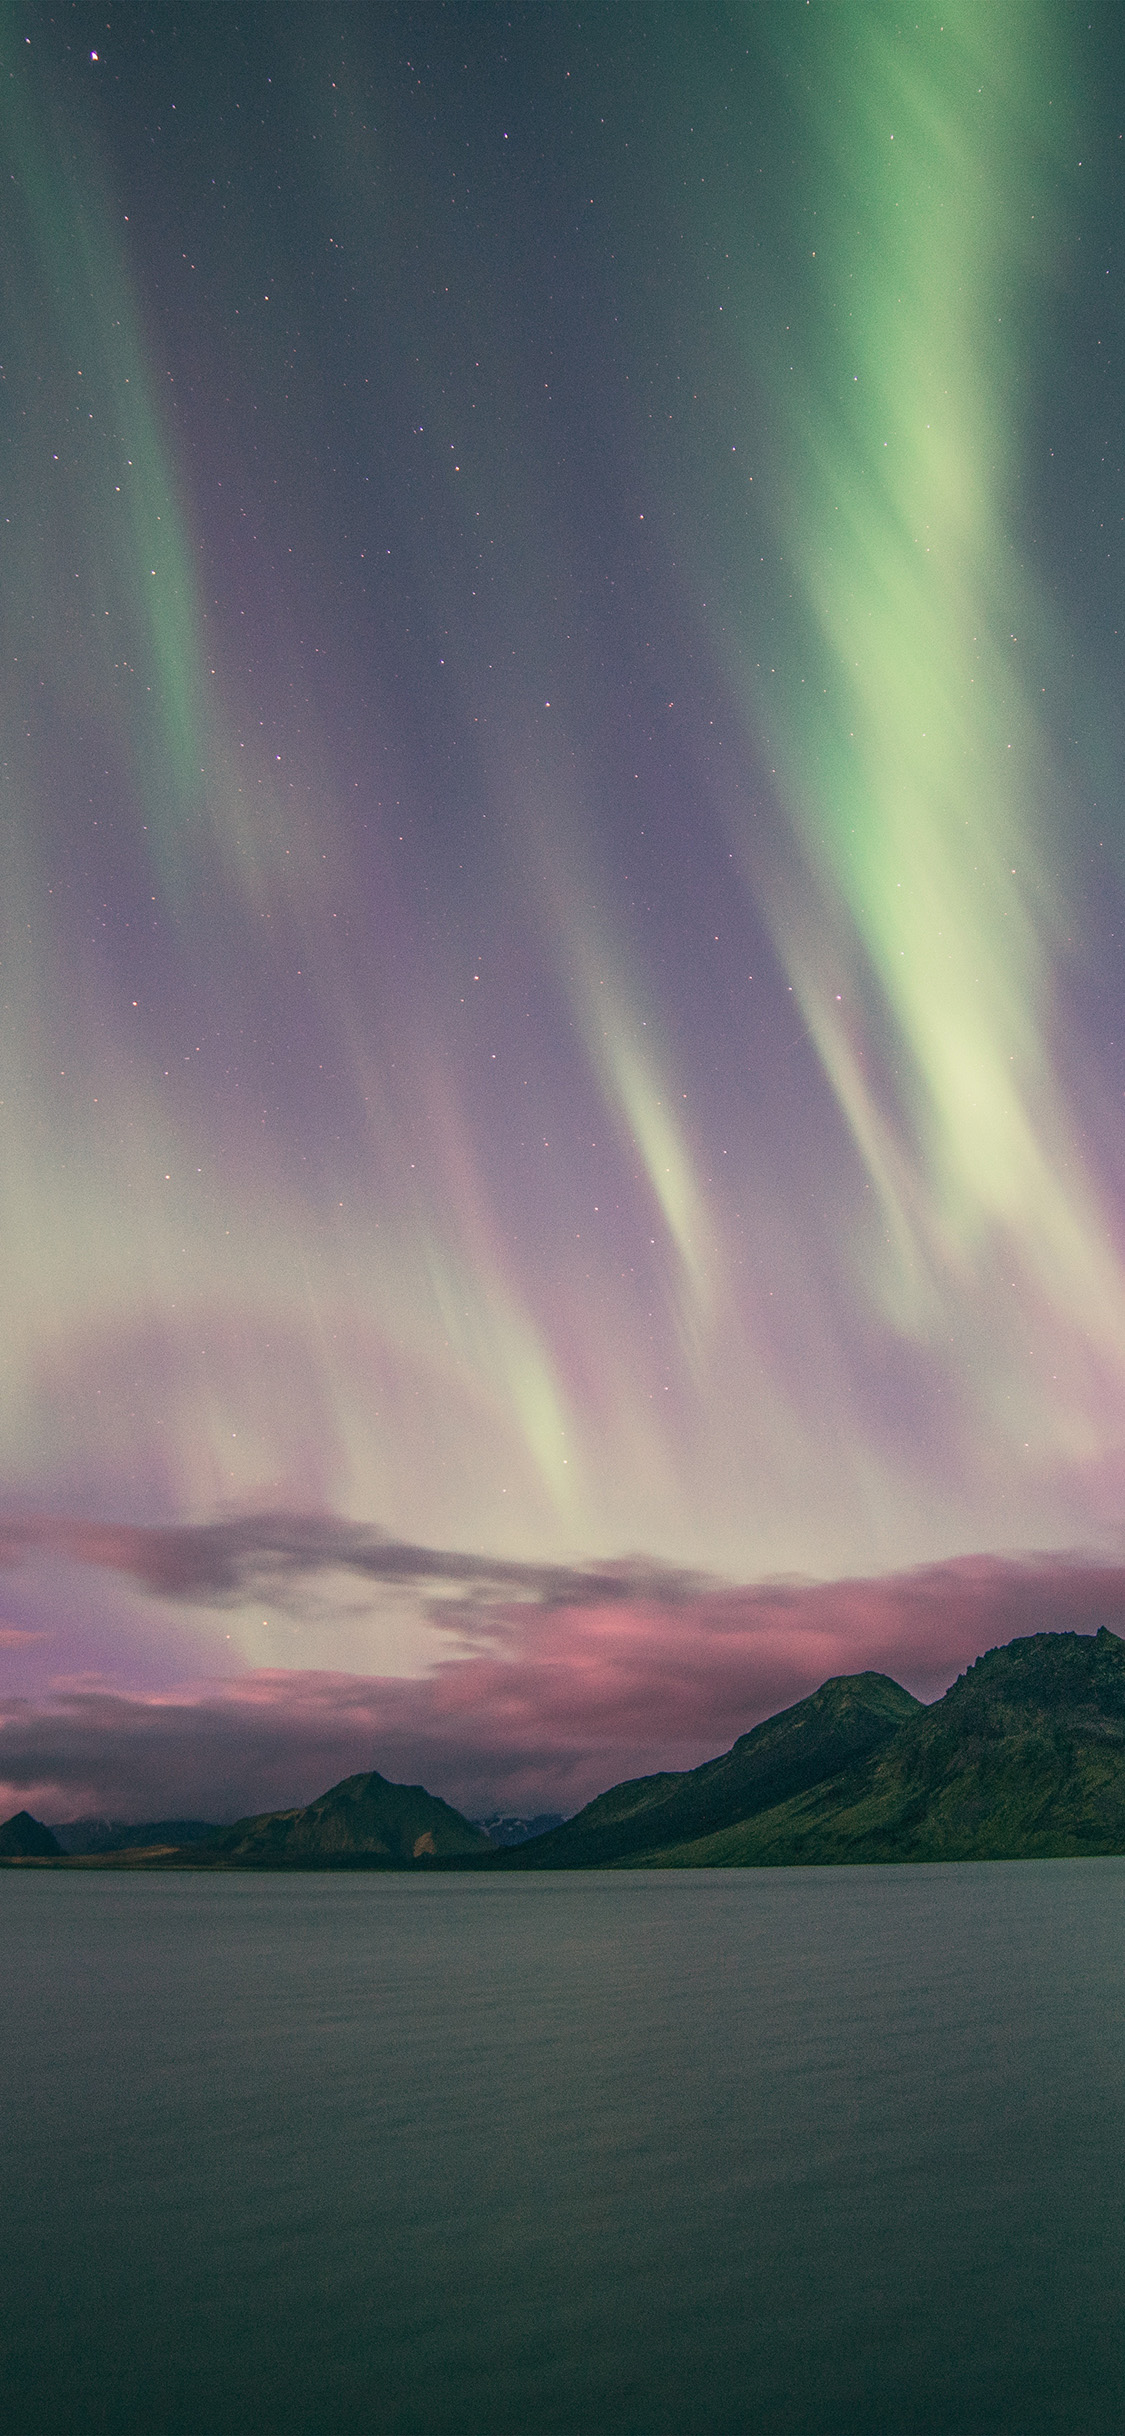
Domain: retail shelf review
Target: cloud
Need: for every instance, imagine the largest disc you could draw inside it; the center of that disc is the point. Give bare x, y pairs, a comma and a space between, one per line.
278, 1555
544, 1699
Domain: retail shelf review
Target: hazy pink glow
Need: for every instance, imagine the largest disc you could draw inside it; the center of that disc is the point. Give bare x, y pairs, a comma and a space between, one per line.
540, 1707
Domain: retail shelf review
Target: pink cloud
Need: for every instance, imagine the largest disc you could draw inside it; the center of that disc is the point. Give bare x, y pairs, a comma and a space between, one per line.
539, 1706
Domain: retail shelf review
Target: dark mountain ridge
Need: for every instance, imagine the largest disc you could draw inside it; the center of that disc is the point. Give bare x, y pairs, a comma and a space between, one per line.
1023, 1757
818, 1738
366, 1822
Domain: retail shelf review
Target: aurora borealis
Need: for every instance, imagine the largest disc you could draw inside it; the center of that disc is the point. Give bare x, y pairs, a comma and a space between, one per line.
562, 883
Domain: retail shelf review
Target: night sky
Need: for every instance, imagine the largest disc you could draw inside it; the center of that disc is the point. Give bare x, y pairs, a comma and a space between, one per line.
562, 877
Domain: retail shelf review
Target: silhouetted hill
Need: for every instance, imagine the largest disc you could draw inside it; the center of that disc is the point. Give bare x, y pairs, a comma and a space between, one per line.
23, 1838
847, 1719
364, 1816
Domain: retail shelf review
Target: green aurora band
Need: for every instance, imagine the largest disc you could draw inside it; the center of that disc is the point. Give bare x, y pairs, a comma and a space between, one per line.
134, 666
903, 708
375, 1132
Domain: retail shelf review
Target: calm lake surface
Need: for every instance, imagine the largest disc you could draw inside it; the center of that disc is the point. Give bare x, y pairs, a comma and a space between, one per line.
780, 2152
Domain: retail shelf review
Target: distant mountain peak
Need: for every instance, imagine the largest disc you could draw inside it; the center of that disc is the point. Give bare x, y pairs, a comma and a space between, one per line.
23, 1838
505, 1827
363, 1817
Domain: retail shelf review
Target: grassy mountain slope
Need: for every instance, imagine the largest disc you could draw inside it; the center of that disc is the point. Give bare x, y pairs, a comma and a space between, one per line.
847, 1719
1023, 1758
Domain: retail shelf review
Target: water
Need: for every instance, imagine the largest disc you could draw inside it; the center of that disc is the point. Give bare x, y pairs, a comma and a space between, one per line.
789, 2153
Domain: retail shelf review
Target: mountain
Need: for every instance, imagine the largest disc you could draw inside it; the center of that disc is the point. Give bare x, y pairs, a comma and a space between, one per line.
502, 1828
364, 1817
1024, 1757
23, 1838
93, 1835
847, 1719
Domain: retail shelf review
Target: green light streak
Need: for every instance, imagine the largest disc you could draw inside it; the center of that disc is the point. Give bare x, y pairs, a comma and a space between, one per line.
634, 1079
491, 1339
637, 1091
903, 712
104, 614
